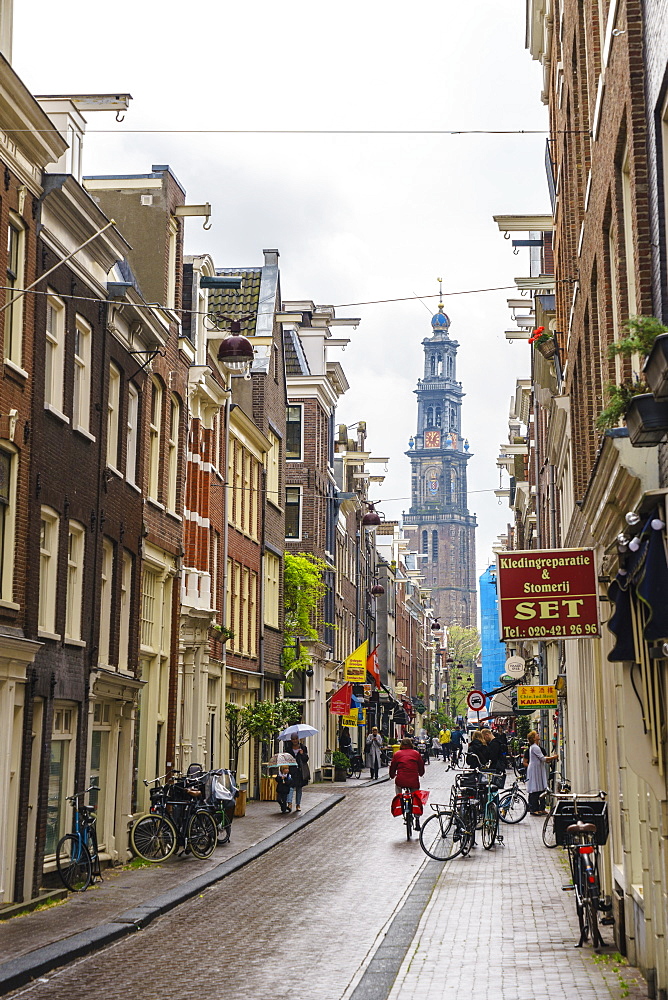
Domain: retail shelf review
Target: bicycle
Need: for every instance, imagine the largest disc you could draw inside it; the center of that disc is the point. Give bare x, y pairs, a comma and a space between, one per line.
549, 838
355, 765
77, 854
176, 820
410, 819
513, 804
490, 809
581, 829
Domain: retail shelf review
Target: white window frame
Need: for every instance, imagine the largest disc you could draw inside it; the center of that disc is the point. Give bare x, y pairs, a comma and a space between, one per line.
48, 571
272, 463
300, 407
13, 334
131, 434
155, 434
171, 262
81, 391
64, 730
298, 536
173, 452
76, 553
113, 415
54, 358
8, 523
127, 564
272, 571
627, 209
106, 602
149, 604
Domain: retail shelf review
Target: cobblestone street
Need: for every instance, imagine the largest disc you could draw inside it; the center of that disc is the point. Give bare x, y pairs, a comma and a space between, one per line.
346, 908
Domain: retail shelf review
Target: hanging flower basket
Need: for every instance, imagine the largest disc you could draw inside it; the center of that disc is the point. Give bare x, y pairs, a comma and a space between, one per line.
220, 633
547, 347
647, 420
655, 368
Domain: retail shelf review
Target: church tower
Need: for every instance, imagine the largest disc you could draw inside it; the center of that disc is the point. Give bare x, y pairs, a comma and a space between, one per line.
439, 520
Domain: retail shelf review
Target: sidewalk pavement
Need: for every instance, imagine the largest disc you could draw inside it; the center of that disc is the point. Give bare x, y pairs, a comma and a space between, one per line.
130, 898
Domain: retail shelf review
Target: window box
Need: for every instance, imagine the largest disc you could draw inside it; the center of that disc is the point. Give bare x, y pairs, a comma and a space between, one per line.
646, 420
655, 368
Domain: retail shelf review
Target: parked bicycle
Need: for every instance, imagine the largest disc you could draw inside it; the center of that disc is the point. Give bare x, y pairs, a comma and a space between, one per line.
450, 831
177, 820
550, 800
581, 826
489, 804
77, 854
513, 804
355, 764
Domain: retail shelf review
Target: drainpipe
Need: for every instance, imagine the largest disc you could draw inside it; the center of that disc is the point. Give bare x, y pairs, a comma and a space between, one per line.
227, 407
263, 530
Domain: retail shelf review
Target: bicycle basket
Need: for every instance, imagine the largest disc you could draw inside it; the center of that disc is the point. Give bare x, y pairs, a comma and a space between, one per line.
468, 781
497, 780
589, 811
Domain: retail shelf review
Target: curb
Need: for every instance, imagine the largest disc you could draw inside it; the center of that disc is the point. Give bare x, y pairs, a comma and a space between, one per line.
27, 967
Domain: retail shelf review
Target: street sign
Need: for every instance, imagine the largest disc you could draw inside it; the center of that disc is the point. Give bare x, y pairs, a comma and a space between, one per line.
475, 700
515, 666
536, 696
550, 594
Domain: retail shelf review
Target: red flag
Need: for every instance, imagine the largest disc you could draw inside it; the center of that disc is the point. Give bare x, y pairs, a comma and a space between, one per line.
340, 704
372, 666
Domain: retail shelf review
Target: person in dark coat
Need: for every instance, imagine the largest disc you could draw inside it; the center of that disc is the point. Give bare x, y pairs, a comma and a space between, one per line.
493, 749
284, 785
301, 773
477, 754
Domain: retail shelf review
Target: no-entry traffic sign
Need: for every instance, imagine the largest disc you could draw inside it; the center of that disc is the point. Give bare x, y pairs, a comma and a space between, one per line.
475, 700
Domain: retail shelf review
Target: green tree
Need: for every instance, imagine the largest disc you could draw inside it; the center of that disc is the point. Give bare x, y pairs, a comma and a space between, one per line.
261, 720
463, 644
303, 593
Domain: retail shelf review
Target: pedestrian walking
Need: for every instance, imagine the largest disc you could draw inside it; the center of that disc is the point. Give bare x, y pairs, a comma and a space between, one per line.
444, 740
374, 743
456, 743
284, 784
302, 773
536, 776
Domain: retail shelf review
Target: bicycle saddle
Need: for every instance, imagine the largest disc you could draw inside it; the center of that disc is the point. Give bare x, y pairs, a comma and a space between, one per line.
581, 827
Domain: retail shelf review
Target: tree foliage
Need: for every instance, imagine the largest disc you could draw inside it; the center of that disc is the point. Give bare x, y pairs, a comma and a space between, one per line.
463, 644
261, 720
303, 594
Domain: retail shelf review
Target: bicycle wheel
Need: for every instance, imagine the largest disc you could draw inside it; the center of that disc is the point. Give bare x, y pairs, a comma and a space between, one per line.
73, 863
513, 807
490, 825
549, 836
224, 827
467, 817
591, 920
202, 834
153, 838
441, 841
408, 820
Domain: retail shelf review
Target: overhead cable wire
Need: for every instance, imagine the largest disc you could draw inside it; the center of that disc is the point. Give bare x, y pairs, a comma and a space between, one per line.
312, 131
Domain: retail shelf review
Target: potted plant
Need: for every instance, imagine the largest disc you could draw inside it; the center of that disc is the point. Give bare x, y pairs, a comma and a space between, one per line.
340, 762
646, 416
220, 632
544, 343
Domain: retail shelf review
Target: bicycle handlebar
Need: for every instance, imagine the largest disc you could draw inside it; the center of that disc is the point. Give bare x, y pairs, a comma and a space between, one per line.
78, 795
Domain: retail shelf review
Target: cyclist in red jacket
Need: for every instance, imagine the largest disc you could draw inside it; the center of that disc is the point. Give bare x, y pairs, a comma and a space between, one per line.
407, 766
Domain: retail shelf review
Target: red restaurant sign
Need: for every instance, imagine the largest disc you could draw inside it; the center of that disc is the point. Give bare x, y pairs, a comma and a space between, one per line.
340, 703
547, 595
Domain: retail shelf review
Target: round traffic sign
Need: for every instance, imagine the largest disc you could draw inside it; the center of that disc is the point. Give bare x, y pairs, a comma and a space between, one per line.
515, 666
475, 700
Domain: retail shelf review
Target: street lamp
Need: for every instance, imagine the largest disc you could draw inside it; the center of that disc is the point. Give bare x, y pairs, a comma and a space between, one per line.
372, 518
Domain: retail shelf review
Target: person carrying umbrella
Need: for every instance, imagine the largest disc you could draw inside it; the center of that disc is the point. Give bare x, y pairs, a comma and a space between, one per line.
300, 774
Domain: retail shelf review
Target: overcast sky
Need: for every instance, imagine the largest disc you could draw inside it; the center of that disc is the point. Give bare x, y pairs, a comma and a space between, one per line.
355, 217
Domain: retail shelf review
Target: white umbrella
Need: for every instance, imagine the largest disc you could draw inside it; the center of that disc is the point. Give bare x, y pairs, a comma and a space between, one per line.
282, 760
299, 730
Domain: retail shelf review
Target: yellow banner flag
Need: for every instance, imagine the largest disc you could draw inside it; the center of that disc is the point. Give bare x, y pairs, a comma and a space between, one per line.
350, 720
354, 668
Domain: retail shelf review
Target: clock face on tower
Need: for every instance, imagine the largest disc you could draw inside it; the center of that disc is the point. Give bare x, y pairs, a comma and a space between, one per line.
432, 439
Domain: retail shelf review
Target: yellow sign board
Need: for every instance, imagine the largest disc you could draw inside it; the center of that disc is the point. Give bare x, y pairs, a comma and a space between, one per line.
354, 667
356, 718
536, 696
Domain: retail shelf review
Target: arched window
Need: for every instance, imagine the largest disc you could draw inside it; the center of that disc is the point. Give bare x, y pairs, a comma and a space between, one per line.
453, 419
454, 485
430, 417
433, 365
434, 546
425, 543
439, 359
438, 416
